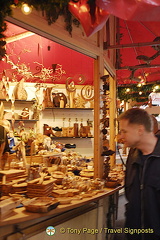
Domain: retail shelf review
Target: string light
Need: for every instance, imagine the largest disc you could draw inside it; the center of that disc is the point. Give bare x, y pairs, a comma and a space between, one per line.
128, 90
146, 74
143, 83
26, 9
135, 91
156, 87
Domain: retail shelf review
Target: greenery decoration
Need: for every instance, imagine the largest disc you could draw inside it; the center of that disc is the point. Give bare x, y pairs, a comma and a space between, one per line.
136, 92
51, 9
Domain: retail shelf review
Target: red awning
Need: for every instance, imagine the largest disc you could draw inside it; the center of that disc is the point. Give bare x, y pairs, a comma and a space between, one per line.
145, 60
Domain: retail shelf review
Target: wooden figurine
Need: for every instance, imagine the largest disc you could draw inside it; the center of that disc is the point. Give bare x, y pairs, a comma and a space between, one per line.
71, 90
47, 97
19, 91
64, 131
84, 131
25, 113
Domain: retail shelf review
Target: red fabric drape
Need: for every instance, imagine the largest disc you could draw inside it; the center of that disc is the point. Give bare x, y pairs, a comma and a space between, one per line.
137, 10
91, 17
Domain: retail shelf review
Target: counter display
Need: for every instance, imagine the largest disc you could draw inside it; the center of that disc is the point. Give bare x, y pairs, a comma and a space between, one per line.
22, 222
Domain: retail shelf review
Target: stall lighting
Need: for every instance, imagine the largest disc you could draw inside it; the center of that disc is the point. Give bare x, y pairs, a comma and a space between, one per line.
128, 90
26, 9
140, 93
156, 87
146, 74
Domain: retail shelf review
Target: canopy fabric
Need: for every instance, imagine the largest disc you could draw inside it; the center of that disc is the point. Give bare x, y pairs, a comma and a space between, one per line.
137, 10
138, 32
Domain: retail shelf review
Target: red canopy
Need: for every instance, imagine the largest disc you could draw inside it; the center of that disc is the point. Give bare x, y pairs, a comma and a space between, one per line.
138, 56
144, 10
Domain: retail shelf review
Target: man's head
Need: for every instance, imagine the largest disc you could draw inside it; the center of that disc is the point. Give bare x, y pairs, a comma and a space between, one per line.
134, 125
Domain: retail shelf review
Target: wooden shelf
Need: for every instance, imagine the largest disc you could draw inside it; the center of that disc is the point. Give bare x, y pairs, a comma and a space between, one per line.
56, 108
18, 101
25, 120
70, 137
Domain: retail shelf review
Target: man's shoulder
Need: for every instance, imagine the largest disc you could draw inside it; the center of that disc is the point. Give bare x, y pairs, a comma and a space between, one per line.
133, 156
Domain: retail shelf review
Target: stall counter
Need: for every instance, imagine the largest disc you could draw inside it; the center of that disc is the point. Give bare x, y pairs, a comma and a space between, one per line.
23, 223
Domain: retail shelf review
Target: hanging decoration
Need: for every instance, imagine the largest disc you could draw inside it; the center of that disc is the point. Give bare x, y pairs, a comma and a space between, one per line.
91, 17
51, 74
22, 70
105, 125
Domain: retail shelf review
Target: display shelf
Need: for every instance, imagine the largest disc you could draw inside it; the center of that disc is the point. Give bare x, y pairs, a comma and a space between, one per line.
18, 101
24, 120
70, 137
66, 118
49, 108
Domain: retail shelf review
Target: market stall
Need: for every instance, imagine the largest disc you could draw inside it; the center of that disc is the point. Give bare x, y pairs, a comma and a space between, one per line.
61, 153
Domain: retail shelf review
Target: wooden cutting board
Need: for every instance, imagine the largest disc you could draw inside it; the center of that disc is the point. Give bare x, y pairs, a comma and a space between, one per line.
42, 205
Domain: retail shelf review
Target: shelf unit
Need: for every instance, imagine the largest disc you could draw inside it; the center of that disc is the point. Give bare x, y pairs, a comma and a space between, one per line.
19, 106
54, 117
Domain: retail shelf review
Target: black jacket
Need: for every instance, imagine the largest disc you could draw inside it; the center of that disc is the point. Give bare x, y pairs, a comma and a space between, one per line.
142, 189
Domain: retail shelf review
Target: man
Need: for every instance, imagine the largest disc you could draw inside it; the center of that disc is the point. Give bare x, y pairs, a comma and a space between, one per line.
142, 180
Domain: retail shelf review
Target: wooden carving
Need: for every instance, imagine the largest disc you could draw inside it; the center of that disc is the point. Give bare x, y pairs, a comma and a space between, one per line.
19, 91
71, 90
47, 97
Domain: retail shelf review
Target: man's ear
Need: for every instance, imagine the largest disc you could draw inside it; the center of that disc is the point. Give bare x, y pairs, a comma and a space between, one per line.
141, 129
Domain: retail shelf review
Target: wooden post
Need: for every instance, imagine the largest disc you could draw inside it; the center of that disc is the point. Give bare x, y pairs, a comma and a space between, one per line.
98, 160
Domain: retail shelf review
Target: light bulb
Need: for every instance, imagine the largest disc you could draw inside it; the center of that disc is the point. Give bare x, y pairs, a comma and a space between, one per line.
156, 87
128, 90
26, 9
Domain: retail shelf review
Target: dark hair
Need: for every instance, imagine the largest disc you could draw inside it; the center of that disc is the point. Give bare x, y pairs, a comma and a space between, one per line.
138, 116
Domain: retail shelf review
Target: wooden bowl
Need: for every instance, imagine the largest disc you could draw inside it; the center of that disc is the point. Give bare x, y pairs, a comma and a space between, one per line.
112, 184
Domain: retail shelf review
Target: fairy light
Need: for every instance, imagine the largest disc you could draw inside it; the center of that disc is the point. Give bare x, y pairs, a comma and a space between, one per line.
154, 90
140, 93
156, 87
26, 9
128, 90
146, 74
